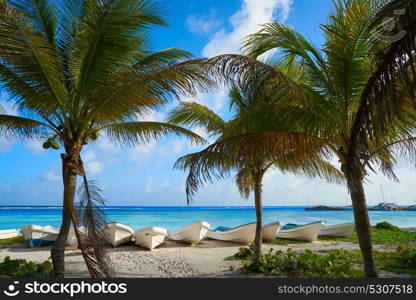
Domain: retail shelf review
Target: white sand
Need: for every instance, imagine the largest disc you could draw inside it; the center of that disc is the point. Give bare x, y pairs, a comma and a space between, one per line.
169, 260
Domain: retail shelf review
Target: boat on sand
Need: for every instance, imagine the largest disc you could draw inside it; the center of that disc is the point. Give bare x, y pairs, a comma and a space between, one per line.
117, 234
38, 236
192, 234
270, 231
339, 230
307, 232
150, 237
242, 234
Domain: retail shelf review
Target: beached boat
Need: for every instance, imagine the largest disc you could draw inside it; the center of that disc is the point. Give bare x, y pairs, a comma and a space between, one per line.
242, 234
307, 232
150, 237
192, 234
37, 236
8, 233
339, 230
117, 234
270, 231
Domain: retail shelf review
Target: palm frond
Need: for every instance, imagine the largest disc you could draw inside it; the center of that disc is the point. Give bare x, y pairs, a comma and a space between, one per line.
133, 133
380, 103
42, 15
90, 221
194, 114
107, 37
14, 126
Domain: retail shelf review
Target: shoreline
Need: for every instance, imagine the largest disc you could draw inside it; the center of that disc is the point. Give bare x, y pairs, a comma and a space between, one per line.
170, 260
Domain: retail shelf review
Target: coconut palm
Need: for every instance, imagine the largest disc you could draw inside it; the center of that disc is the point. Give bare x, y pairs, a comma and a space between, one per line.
209, 163
320, 93
75, 68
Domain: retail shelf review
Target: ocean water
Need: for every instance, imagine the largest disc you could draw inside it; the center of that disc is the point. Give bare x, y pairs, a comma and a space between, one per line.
173, 218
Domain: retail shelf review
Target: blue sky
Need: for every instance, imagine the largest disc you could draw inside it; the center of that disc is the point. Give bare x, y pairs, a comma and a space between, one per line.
143, 175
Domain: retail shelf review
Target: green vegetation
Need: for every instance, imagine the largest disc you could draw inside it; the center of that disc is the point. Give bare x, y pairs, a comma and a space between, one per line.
14, 240
383, 234
20, 268
331, 264
335, 264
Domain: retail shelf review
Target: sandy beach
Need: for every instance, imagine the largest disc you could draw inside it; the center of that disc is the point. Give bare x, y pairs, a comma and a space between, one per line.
169, 260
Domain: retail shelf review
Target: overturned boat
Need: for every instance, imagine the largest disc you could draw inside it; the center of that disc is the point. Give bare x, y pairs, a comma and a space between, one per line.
341, 230
270, 231
307, 232
38, 236
150, 237
117, 234
242, 234
192, 234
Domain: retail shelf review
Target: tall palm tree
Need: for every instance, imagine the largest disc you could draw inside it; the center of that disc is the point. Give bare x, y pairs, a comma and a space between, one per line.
208, 163
320, 94
78, 67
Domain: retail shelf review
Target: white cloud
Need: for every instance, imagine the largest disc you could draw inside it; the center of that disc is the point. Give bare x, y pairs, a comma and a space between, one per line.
9, 107
142, 152
91, 164
34, 147
5, 145
202, 24
244, 22
51, 175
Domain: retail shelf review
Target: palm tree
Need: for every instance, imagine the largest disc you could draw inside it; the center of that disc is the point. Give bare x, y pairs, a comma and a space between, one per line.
321, 92
250, 170
78, 67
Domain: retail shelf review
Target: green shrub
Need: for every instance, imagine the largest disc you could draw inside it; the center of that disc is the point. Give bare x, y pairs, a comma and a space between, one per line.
335, 264
13, 240
382, 234
20, 268
387, 225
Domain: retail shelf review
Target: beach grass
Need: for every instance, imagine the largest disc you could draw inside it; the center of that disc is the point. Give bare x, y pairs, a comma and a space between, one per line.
14, 240
381, 236
331, 263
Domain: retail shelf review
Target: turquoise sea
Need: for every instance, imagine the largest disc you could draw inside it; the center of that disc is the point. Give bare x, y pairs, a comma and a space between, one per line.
174, 217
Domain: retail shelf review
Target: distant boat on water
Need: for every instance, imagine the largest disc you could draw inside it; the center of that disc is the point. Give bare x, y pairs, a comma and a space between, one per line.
325, 207
385, 206
412, 207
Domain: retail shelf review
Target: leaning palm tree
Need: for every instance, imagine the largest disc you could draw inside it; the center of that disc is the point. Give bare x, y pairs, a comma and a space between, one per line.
250, 170
320, 94
78, 67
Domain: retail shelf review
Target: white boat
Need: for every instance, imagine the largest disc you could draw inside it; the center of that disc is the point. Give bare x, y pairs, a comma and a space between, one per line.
150, 237
307, 233
242, 234
117, 234
192, 234
270, 231
340, 230
8, 233
37, 236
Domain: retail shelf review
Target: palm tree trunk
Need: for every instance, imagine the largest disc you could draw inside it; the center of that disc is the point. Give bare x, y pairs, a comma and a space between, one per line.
362, 221
58, 248
257, 252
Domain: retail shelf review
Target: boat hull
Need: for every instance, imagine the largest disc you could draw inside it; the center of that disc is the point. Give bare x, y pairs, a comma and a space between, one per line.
270, 231
307, 233
243, 234
38, 236
191, 234
340, 230
117, 234
150, 237
9, 233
